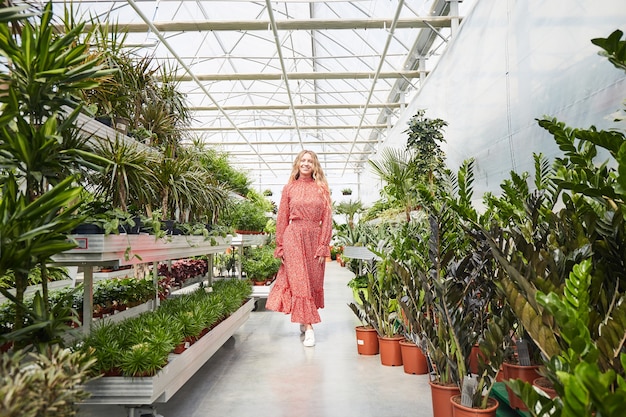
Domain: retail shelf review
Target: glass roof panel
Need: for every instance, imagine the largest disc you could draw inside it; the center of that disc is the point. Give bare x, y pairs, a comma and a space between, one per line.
266, 79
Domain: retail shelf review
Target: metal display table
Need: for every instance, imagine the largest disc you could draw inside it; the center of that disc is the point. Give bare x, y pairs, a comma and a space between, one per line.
361, 253
243, 240
143, 392
120, 250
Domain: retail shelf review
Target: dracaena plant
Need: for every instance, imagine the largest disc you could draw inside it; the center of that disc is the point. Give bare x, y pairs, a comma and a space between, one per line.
45, 70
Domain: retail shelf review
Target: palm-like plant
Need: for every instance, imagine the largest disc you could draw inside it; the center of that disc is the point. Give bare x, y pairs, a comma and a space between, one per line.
394, 168
186, 190
127, 179
349, 209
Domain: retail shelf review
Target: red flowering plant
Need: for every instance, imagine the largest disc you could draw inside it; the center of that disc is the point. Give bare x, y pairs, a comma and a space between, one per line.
184, 270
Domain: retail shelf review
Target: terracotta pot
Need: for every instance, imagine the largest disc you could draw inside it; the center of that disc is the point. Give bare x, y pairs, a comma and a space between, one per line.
113, 372
441, 395
366, 340
413, 358
180, 348
543, 384
500, 375
473, 359
525, 373
190, 340
390, 352
462, 411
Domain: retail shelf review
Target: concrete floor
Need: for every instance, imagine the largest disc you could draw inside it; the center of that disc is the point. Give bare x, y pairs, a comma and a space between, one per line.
263, 370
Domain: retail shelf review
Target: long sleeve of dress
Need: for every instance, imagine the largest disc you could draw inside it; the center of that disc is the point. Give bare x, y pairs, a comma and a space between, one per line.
323, 248
282, 221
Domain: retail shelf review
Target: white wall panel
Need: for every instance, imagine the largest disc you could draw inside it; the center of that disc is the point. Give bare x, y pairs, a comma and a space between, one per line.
513, 62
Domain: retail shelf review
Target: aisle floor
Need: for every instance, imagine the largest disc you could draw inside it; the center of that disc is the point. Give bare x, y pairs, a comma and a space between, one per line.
264, 370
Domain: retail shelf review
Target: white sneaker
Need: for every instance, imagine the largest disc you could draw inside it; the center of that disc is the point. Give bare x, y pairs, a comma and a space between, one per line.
309, 338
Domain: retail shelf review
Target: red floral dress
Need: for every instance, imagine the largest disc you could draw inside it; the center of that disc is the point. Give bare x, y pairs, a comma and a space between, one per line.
303, 232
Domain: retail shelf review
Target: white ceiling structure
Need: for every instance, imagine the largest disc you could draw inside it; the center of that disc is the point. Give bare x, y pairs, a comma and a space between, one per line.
266, 79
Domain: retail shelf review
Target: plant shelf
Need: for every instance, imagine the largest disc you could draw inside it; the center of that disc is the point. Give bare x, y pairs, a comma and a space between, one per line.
249, 240
261, 291
240, 241
120, 250
128, 313
181, 367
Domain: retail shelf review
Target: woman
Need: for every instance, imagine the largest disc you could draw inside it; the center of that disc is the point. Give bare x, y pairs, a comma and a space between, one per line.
303, 233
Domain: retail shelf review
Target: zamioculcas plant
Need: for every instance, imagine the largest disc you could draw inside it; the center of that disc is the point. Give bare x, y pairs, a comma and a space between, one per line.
584, 386
451, 301
539, 252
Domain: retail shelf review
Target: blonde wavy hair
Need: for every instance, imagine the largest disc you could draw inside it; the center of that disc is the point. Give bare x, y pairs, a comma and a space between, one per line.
318, 173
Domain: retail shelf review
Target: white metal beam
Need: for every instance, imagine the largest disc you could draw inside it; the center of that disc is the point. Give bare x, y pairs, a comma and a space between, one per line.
297, 106
299, 76
392, 29
285, 127
288, 25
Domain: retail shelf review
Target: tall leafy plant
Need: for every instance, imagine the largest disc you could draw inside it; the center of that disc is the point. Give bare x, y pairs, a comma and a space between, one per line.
451, 300
46, 70
558, 263
127, 180
424, 138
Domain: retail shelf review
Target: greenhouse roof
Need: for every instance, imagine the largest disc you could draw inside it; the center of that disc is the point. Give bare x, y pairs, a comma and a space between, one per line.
266, 79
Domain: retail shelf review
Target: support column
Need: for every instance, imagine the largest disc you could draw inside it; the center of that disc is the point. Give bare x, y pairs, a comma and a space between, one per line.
155, 280
87, 298
454, 15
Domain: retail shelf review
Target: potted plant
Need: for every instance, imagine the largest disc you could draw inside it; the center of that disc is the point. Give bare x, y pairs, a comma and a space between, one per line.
576, 372
584, 227
145, 358
450, 301
30, 382
37, 132
346, 191
127, 179
366, 335
412, 304
358, 284
259, 264
349, 209
246, 217
382, 309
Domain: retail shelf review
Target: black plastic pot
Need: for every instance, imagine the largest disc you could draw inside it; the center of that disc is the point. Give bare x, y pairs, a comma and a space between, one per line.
88, 229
